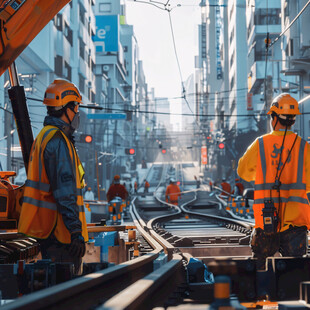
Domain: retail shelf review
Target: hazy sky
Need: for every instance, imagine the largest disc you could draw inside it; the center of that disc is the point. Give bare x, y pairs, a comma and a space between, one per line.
153, 33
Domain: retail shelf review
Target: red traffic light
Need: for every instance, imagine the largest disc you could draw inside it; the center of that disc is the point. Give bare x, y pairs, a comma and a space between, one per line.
130, 151
88, 139
164, 151
221, 146
84, 138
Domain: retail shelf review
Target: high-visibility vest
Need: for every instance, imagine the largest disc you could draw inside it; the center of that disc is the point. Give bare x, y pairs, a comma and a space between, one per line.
173, 192
39, 215
294, 208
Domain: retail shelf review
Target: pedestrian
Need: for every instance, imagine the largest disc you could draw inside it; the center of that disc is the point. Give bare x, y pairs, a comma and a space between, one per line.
89, 195
197, 182
136, 187
173, 192
53, 207
116, 189
226, 188
279, 164
211, 186
146, 186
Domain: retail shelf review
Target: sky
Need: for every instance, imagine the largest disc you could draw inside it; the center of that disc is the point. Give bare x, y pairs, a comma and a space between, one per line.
153, 33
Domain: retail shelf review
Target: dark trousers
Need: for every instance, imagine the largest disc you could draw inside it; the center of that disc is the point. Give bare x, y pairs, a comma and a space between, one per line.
58, 252
292, 242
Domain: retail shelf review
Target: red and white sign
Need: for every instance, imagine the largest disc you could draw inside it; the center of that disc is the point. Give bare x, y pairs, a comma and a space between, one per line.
204, 155
249, 102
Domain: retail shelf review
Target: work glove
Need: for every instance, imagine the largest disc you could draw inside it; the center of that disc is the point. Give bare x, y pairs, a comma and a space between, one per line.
77, 246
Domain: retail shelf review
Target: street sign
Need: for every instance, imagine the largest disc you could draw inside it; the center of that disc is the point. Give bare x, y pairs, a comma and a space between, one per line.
106, 116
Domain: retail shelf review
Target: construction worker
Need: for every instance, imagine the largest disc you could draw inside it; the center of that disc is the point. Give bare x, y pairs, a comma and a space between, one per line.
279, 163
239, 188
146, 186
117, 190
226, 188
89, 195
53, 207
211, 185
136, 187
173, 192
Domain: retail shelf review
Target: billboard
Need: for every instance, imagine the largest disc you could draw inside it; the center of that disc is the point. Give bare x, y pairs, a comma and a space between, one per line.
204, 155
107, 34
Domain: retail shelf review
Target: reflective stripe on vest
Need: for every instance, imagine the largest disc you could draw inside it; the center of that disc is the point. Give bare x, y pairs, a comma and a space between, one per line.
39, 215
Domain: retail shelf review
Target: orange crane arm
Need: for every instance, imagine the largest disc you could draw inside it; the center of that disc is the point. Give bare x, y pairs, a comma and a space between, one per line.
20, 22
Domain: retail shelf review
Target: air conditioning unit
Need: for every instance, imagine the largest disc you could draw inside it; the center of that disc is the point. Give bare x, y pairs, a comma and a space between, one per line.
105, 68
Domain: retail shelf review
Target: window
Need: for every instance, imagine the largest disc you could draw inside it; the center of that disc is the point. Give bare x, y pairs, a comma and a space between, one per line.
81, 83
58, 65
232, 35
82, 14
92, 96
270, 17
82, 49
232, 82
232, 59
233, 106
67, 71
105, 7
68, 33
58, 22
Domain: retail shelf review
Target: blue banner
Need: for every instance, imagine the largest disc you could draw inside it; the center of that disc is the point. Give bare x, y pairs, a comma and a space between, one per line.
107, 34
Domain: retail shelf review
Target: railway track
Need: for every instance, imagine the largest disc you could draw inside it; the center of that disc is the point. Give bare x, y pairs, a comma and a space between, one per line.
170, 236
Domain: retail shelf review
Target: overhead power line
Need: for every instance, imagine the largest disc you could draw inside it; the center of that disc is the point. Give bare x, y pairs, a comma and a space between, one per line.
291, 23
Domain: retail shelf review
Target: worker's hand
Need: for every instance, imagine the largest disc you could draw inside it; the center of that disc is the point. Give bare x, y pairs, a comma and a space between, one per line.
77, 246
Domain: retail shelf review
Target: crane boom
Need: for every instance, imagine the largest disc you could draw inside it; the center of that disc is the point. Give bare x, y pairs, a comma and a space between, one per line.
20, 22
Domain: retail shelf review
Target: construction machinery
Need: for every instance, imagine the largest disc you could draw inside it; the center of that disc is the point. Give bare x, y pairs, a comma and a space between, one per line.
20, 22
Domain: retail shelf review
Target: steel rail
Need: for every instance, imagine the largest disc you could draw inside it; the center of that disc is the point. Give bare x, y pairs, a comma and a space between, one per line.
152, 290
92, 289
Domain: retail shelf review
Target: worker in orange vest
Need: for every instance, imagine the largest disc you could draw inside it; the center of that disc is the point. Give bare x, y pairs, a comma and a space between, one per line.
173, 192
279, 163
53, 207
136, 187
146, 186
117, 190
226, 188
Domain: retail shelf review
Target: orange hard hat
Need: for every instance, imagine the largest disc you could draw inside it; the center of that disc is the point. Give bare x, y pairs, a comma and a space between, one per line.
117, 177
61, 92
284, 104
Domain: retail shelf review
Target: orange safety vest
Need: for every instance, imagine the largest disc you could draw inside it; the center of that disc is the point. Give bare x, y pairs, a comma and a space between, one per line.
226, 189
172, 193
294, 208
39, 215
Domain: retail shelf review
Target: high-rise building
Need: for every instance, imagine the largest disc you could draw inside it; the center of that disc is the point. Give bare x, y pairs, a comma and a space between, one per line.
296, 59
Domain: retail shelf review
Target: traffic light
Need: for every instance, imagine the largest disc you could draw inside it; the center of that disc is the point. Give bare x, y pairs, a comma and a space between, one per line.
164, 151
221, 146
130, 151
86, 138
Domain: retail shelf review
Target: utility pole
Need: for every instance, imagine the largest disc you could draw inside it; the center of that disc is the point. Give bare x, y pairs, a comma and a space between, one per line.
269, 97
